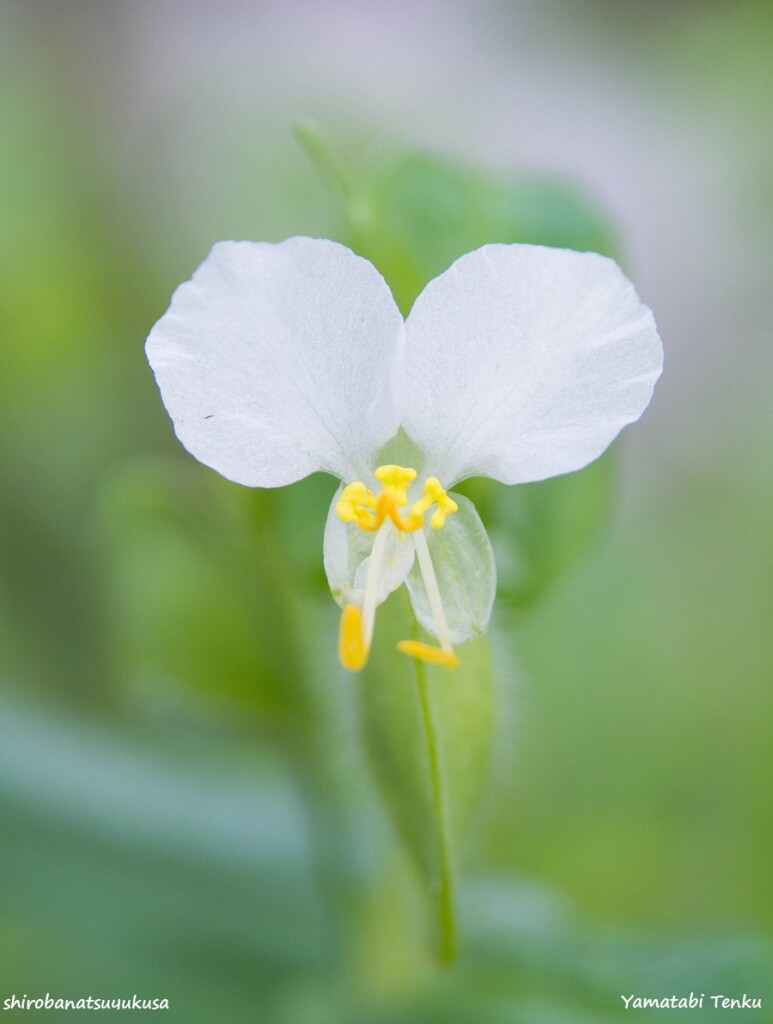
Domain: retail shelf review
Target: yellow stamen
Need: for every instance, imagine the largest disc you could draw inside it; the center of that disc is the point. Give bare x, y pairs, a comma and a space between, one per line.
358, 505
426, 652
351, 639
434, 493
396, 479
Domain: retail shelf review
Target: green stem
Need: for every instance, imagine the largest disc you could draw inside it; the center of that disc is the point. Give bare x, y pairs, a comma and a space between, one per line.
445, 895
335, 172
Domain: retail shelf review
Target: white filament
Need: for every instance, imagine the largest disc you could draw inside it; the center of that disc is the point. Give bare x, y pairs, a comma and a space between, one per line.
433, 591
370, 599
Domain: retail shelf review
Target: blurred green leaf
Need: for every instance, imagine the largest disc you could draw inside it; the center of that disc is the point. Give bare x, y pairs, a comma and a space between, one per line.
428, 733
299, 513
187, 873
197, 596
426, 212
539, 530
130, 866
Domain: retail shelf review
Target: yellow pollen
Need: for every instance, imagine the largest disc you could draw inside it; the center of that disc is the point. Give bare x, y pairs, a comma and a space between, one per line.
397, 478
428, 653
435, 495
358, 505
351, 639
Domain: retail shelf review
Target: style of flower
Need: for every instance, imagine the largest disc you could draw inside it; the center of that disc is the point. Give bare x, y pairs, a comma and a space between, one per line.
518, 363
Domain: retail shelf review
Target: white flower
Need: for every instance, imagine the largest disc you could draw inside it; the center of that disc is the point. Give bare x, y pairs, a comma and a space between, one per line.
519, 363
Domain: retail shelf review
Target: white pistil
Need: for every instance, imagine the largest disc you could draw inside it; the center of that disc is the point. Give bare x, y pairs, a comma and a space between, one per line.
369, 602
433, 591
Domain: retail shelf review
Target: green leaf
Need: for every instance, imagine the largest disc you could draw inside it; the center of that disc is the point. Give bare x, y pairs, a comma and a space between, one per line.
298, 513
197, 601
162, 868
427, 211
540, 530
428, 733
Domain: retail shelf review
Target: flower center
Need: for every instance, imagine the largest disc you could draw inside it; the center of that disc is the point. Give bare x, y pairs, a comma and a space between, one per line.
381, 514
360, 506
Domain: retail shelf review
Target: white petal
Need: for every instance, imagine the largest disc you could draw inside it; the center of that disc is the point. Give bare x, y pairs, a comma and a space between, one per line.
275, 361
347, 555
524, 362
465, 571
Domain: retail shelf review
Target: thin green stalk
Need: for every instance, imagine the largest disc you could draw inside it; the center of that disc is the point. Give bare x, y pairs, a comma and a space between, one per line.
333, 170
445, 896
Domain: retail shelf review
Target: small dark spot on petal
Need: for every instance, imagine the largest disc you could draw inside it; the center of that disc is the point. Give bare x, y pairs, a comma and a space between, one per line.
210, 416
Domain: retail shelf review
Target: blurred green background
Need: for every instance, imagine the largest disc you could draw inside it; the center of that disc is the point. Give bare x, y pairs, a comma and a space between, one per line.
188, 806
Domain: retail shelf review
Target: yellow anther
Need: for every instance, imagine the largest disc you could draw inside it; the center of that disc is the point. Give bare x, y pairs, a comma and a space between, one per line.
435, 494
395, 481
428, 653
445, 506
355, 502
358, 505
352, 650
395, 476
437, 519
433, 489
